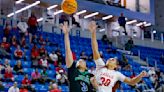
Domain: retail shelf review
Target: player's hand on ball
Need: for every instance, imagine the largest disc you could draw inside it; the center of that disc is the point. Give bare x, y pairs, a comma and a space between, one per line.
92, 26
65, 27
143, 74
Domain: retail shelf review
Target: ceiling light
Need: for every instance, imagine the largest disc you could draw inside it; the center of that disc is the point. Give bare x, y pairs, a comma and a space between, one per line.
19, 1
23, 9
51, 7
131, 22
81, 12
58, 12
91, 15
107, 17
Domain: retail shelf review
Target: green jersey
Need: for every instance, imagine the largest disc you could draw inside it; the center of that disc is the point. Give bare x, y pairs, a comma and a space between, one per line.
79, 81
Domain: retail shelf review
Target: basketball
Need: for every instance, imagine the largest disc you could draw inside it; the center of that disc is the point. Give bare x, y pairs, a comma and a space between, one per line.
69, 6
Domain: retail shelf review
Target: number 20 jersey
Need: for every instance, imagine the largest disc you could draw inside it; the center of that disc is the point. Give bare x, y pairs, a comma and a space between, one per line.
106, 78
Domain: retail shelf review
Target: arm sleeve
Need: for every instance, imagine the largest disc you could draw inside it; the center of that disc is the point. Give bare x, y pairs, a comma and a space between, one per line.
99, 63
121, 77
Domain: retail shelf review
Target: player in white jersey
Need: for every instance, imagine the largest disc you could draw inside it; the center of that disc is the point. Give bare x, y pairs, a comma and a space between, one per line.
106, 76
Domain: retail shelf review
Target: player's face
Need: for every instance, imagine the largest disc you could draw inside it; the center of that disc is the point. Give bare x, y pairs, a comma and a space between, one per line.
82, 64
112, 62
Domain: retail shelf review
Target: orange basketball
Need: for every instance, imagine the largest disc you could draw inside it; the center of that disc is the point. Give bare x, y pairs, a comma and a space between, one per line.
69, 6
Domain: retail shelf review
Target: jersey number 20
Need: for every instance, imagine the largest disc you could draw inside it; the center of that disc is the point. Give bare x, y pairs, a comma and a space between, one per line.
105, 82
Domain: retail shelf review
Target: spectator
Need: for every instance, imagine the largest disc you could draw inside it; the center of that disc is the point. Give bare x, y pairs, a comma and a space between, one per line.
23, 43
18, 53
53, 58
35, 76
105, 40
18, 68
60, 56
34, 39
83, 56
41, 40
14, 88
14, 41
62, 19
60, 68
42, 51
1, 87
7, 30
50, 87
44, 76
32, 23
129, 45
151, 72
55, 88
122, 22
7, 63
5, 45
35, 56
74, 56
22, 25
26, 83
101, 55
62, 77
8, 76
43, 62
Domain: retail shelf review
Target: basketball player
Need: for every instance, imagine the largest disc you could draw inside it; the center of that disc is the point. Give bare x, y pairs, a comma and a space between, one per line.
80, 79
106, 76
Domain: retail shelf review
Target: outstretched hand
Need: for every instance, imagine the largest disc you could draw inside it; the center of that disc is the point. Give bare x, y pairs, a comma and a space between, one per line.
92, 26
65, 28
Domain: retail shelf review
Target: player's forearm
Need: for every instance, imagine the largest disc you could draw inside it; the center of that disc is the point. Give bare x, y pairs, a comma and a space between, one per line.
69, 58
136, 80
95, 46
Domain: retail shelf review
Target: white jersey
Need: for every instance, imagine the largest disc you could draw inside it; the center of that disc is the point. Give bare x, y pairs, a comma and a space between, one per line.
106, 78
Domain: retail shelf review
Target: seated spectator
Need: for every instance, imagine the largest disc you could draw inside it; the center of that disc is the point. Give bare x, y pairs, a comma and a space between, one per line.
2, 87
83, 56
61, 77
6, 31
18, 53
55, 88
42, 51
53, 58
50, 87
6, 63
105, 40
41, 40
14, 88
129, 45
5, 45
23, 43
22, 25
43, 62
18, 68
101, 55
60, 56
35, 76
14, 41
26, 83
151, 72
34, 39
60, 68
44, 76
35, 56
8, 76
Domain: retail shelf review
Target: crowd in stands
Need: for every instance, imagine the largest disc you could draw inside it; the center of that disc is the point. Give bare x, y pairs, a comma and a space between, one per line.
16, 47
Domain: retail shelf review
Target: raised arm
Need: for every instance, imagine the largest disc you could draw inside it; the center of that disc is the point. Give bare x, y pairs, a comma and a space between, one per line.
69, 58
136, 79
92, 28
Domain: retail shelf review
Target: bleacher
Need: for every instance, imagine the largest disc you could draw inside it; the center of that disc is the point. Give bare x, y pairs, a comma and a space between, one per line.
78, 44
